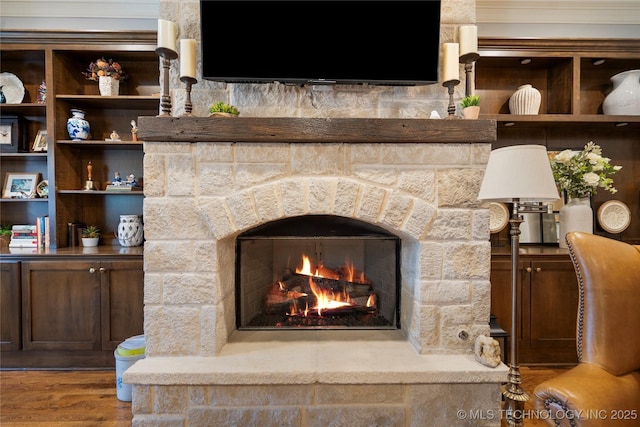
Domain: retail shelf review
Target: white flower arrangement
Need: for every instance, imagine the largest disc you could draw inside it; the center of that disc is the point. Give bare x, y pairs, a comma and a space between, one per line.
580, 173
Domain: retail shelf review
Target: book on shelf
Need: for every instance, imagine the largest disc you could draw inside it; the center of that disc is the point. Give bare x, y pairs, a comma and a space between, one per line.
42, 231
23, 243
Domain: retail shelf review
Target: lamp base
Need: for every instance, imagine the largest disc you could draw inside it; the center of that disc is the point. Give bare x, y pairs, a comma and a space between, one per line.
515, 397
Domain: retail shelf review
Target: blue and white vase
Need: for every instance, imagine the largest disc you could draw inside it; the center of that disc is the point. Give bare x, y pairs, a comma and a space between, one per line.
77, 126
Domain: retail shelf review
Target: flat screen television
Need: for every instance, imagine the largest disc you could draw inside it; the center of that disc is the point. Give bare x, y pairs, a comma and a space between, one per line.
381, 42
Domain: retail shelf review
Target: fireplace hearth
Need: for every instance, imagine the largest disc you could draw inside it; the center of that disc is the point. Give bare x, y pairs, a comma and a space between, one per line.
317, 271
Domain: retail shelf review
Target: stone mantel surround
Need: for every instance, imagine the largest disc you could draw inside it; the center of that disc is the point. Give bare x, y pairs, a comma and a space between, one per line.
209, 179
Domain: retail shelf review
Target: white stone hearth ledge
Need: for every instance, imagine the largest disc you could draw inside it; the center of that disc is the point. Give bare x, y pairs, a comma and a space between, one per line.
309, 357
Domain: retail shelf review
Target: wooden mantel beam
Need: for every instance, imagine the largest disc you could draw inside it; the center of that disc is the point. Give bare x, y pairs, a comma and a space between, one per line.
300, 130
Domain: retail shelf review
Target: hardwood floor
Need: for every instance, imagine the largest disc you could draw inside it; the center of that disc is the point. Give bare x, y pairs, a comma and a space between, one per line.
88, 398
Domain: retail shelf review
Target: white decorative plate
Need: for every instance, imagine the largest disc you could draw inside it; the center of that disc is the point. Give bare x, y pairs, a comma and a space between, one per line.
12, 88
614, 216
498, 217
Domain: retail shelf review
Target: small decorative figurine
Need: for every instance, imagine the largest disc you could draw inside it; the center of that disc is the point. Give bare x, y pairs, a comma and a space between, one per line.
117, 180
42, 93
114, 136
134, 131
131, 180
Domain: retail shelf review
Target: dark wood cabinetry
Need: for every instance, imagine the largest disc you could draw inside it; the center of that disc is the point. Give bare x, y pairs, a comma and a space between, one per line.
75, 310
547, 304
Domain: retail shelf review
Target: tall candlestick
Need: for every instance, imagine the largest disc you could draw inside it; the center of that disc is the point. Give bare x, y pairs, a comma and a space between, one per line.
188, 58
166, 34
451, 55
468, 39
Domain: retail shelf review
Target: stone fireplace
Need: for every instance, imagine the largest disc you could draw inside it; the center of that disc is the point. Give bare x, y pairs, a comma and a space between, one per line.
208, 181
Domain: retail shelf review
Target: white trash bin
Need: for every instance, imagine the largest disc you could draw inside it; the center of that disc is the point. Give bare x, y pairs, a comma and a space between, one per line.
127, 353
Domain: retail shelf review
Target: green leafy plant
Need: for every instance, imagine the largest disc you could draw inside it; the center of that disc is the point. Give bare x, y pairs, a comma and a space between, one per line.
470, 101
90, 232
5, 230
221, 107
580, 173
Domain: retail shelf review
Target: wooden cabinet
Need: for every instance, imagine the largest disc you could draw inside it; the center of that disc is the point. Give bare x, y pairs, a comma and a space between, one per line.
547, 304
59, 60
573, 77
75, 310
10, 313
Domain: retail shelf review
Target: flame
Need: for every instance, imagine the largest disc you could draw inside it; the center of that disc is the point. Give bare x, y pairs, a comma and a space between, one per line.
326, 299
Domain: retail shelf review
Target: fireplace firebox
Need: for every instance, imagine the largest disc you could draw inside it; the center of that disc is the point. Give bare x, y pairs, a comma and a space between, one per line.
317, 272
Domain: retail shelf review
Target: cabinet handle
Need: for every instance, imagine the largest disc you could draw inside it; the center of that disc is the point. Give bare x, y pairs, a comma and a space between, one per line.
102, 269
529, 270
538, 269
92, 270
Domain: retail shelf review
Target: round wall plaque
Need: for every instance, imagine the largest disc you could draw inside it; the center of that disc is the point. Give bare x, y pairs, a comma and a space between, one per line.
614, 216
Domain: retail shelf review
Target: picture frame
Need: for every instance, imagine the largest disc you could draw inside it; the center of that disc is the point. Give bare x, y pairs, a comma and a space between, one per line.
19, 185
11, 138
40, 142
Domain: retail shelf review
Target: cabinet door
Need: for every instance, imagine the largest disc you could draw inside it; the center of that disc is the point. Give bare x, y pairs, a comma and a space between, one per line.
61, 305
550, 302
122, 301
9, 306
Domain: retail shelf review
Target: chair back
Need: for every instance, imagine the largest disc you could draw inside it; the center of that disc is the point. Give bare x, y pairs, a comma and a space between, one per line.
608, 323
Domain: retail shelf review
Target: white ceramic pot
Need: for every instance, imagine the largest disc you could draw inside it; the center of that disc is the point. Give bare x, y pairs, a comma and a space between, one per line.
624, 99
108, 86
575, 215
525, 101
90, 242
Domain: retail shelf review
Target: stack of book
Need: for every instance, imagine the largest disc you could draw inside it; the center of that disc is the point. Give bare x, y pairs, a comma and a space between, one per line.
24, 236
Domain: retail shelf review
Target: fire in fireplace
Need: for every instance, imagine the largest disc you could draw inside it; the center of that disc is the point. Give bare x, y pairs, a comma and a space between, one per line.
317, 271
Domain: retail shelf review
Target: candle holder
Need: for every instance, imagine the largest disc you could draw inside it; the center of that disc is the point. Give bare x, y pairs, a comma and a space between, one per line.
468, 59
188, 106
166, 55
450, 85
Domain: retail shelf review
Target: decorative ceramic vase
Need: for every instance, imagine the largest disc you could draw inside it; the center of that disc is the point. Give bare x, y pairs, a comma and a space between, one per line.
471, 113
624, 99
108, 86
526, 101
130, 230
575, 215
77, 126
90, 242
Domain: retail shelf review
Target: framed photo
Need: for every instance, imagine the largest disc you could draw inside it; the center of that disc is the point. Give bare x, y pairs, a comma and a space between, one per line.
40, 143
11, 139
19, 185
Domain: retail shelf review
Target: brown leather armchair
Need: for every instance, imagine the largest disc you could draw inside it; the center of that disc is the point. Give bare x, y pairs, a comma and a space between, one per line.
604, 388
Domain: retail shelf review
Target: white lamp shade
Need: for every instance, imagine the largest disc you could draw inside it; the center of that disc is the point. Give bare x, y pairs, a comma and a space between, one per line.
519, 172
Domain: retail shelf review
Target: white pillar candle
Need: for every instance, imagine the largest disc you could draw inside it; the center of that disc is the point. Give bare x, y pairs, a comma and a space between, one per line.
166, 34
468, 39
188, 58
451, 56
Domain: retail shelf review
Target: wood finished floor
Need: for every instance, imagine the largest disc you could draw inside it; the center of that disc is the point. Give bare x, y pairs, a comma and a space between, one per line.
88, 398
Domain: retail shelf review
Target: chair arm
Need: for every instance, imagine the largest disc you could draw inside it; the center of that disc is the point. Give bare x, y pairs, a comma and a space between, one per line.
589, 396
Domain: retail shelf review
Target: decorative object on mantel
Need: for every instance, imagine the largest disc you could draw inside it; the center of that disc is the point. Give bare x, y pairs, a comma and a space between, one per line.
451, 74
108, 74
525, 101
166, 50
220, 109
188, 70
77, 126
471, 107
468, 37
624, 99
579, 174
614, 216
520, 175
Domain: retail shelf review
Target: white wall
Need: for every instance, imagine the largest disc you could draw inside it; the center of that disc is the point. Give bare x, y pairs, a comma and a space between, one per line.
495, 18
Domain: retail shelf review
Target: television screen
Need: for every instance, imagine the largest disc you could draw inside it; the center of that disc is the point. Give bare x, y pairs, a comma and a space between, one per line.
321, 42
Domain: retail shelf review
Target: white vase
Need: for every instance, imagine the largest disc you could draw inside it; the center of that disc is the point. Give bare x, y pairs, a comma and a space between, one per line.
130, 230
108, 86
526, 100
575, 215
624, 99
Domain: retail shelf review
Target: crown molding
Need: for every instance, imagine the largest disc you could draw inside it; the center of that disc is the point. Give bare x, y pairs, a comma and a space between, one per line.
599, 12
